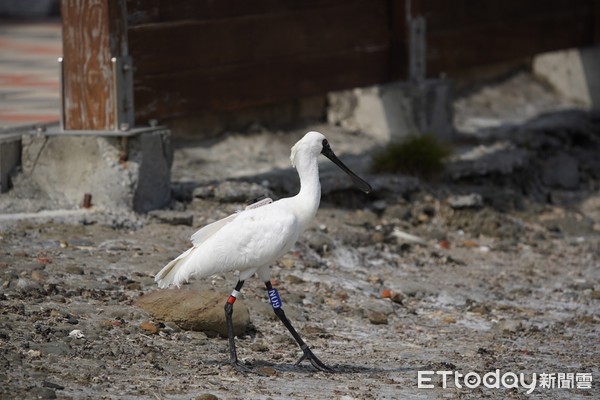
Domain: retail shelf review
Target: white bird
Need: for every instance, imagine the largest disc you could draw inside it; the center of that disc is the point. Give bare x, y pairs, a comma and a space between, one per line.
250, 241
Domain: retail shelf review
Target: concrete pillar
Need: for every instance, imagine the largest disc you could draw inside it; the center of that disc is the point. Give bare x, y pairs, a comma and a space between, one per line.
10, 158
119, 172
395, 110
575, 73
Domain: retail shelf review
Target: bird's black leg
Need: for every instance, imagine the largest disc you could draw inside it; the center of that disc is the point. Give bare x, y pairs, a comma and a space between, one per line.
308, 354
228, 319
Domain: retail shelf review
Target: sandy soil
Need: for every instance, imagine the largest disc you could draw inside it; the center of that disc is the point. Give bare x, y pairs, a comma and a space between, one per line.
513, 288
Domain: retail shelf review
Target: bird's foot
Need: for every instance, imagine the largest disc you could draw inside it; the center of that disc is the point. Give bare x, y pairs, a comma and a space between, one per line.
241, 368
314, 360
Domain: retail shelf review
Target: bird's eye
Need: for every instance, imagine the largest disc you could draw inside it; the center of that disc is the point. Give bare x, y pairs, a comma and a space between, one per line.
325, 143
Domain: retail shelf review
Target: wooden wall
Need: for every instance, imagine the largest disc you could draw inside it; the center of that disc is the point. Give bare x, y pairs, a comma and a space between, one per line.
224, 55
465, 33
217, 55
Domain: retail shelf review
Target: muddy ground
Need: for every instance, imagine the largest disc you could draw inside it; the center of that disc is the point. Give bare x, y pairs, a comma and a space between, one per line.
504, 278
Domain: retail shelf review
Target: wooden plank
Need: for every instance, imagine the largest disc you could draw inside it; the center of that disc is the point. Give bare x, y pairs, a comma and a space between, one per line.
596, 18
463, 48
234, 87
230, 54
193, 44
443, 15
398, 39
154, 11
93, 32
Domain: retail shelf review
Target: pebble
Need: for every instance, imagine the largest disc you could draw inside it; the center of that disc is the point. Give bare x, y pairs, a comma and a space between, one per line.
33, 353
42, 393
172, 217
392, 295
37, 276
507, 326
76, 334
294, 279
74, 269
27, 284
378, 318
259, 347
267, 371
206, 396
52, 385
377, 237
473, 200
149, 327
449, 319
287, 262
320, 242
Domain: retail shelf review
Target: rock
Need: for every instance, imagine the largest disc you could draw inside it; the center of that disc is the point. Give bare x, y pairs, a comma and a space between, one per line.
378, 318
294, 279
27, 285
259, 347
239, 192
172, 217
266, 371
561, 171
42, 393
196, 310
473, 200
363, 218
149, 327
397, 211
207, 396
287, 262
74, 269
379, 205
507, 327
38, 276
320, 242
52, 385
497, 159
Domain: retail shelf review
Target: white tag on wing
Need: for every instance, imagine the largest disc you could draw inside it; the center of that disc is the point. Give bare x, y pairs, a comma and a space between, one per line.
260, 203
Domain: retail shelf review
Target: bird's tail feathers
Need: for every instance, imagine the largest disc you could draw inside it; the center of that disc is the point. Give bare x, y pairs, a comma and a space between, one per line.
174, 272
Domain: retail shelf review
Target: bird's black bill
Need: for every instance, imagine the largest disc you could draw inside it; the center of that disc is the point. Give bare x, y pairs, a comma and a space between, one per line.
358, 182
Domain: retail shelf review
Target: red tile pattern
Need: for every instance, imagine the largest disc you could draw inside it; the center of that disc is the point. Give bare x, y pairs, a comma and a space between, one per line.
29, 73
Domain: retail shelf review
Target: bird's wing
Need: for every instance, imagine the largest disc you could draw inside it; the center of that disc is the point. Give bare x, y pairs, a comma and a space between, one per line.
253, 239
257, 237
204, 233
201, 235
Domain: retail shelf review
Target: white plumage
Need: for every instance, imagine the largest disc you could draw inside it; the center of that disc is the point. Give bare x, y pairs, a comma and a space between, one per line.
251, 240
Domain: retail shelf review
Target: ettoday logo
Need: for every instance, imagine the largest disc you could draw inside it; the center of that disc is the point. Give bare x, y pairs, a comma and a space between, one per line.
507, 380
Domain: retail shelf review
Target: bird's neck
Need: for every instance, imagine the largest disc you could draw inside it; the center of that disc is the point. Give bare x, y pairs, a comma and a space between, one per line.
309, 197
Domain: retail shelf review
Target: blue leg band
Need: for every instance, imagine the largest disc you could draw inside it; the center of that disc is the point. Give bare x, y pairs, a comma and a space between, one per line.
274, 297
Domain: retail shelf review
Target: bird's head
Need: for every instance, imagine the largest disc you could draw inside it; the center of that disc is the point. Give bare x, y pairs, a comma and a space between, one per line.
311, 143
314, 143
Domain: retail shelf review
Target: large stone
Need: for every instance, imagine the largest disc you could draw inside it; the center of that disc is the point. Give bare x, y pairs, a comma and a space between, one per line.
561, 171
195, 310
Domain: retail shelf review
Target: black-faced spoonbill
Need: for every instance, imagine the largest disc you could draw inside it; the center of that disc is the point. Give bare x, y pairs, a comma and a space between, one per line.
251, 240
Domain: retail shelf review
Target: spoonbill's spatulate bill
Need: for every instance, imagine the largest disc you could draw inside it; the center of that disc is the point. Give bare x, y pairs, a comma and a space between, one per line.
251, 240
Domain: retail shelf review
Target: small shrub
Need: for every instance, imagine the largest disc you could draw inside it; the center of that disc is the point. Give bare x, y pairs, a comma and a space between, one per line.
422, 156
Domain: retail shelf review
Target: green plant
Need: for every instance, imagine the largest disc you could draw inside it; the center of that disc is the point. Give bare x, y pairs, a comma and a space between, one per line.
421, 155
